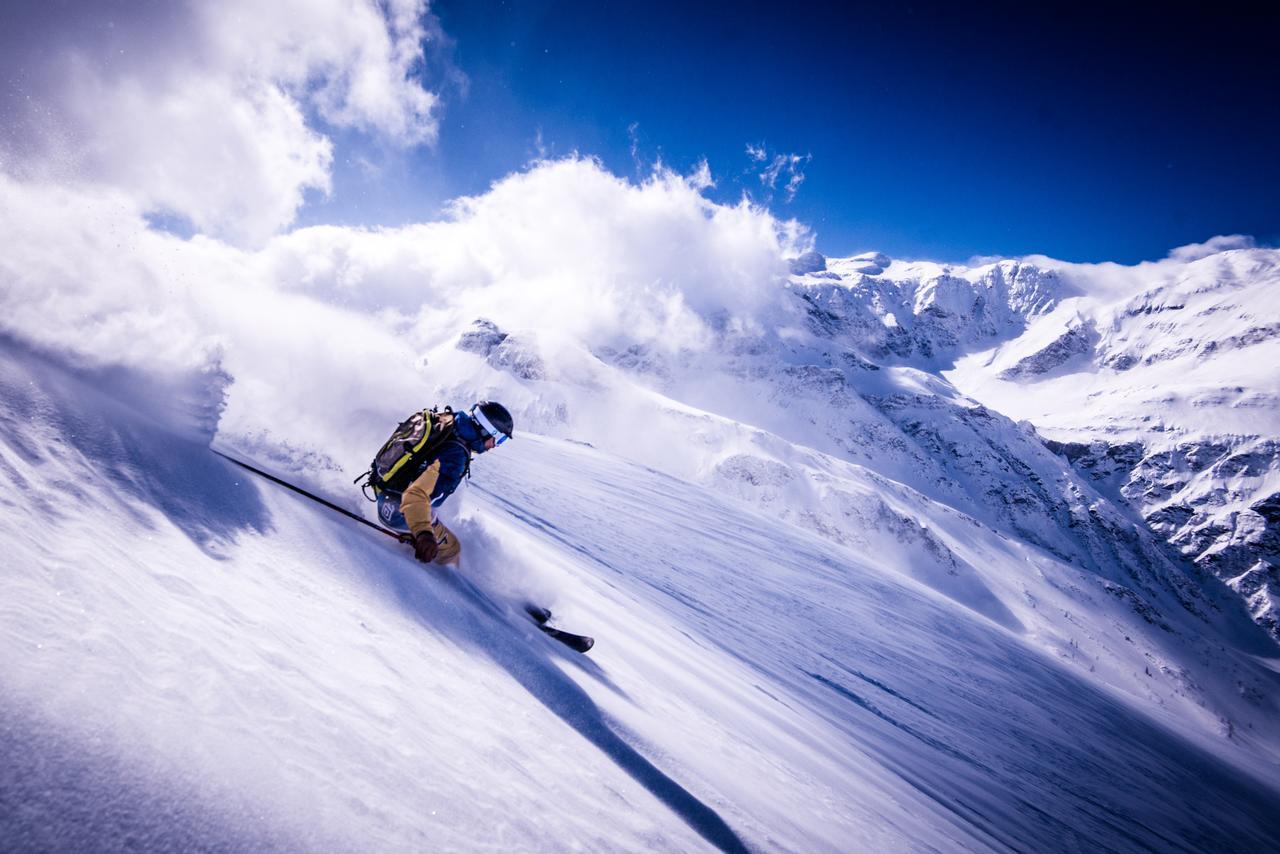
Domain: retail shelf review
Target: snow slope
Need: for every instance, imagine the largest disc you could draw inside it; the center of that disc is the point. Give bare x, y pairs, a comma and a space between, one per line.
193, 658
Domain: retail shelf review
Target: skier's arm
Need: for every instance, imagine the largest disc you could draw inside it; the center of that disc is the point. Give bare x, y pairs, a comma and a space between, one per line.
416, 502
453, 464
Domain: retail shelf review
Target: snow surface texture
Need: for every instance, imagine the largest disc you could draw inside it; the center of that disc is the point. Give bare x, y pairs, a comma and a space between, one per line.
840, 604
222, 663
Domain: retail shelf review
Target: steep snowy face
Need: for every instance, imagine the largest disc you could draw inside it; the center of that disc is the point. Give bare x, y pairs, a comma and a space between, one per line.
1156, 382
840, 401
1168, 395
868, 457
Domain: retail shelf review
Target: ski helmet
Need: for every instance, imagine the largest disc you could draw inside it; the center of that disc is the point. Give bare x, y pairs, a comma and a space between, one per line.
494, 419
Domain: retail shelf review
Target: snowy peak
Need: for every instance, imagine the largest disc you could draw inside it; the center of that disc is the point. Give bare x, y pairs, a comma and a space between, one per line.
923, 313
1215, 306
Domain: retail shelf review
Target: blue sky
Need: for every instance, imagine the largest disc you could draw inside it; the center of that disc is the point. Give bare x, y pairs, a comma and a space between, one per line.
926, 132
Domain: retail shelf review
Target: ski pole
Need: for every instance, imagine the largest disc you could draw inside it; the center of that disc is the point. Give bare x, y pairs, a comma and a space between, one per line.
363, 521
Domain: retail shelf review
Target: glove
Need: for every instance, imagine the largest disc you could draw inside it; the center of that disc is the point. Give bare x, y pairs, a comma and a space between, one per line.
425, 547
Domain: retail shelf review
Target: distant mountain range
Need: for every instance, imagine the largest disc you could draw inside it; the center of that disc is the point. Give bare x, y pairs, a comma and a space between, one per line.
1157, 383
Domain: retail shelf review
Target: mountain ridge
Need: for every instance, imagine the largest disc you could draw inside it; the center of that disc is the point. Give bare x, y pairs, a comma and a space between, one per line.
1204, 329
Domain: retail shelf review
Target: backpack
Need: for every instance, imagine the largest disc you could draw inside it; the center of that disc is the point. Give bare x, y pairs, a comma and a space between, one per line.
416, 440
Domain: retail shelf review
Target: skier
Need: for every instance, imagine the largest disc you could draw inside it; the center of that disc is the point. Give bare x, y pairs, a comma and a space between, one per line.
420, 466
431, 452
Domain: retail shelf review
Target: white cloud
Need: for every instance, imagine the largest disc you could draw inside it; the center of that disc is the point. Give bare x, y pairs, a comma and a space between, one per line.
322, 324
649, 262
701, 178
202, 110
1212, 246
633, 135
778, 167
241, 177
1110, 280
352, 58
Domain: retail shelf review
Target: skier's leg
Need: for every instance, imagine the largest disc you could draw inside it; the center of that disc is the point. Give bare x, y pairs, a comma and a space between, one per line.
450, 548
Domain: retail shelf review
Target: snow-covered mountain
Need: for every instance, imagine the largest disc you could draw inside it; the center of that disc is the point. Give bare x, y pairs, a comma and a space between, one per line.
1157, 382
1167, 396
880, 555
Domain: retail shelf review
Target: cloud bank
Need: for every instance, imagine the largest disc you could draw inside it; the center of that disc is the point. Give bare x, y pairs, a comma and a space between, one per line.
211, 112
215, 115
320, 324
1212, 246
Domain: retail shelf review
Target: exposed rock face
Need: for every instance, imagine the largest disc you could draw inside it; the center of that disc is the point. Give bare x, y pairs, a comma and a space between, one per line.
482, 337
518, 357
1211, 500
505, 352
1259, 586
1075, 342
1110, 464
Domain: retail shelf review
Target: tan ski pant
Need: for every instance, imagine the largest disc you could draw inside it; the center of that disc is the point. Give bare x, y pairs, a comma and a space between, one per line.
450, 548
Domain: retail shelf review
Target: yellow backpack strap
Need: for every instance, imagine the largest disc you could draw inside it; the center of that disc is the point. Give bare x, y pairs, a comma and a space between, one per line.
422, 443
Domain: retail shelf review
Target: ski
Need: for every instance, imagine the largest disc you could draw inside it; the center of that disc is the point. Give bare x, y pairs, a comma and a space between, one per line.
578, 643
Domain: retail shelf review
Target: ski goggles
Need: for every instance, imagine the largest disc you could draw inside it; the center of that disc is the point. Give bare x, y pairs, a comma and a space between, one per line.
490, 431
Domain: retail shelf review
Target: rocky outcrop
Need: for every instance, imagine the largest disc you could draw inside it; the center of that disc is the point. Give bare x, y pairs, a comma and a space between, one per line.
483, 336
1078, 341
505, 352
1211, 500
1259, 586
